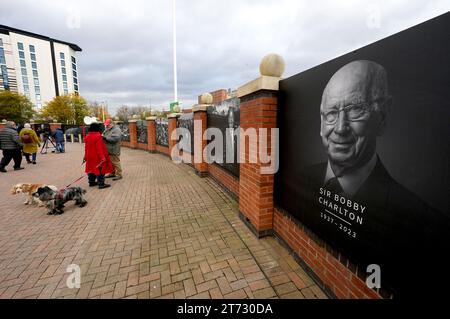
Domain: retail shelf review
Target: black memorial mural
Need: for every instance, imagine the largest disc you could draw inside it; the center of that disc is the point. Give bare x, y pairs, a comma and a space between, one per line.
186, 121
364, 154
141, 130
125, 128
225, 116
162, 132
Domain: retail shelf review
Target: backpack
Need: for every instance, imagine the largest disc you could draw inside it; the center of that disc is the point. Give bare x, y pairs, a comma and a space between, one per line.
26, 138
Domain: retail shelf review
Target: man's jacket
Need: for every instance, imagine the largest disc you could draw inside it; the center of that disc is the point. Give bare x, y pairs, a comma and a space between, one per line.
113, 138
9, 139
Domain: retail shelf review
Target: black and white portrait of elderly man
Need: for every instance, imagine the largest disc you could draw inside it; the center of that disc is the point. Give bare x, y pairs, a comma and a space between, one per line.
388, 224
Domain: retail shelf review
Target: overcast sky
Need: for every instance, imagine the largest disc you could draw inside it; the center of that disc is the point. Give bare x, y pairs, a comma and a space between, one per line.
127, 45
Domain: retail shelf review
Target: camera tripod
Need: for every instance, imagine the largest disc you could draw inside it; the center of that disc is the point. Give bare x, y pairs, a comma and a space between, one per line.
45, 146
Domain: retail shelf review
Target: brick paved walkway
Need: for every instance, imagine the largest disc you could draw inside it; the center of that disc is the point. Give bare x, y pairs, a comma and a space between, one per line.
161, 232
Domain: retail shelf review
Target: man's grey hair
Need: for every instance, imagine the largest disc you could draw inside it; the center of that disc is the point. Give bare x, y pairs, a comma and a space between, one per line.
10, 124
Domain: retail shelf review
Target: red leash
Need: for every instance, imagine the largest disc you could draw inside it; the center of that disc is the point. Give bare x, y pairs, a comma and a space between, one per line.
78, 179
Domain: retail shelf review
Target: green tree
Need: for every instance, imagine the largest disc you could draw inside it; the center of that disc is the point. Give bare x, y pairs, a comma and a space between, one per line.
15, 107
68, 109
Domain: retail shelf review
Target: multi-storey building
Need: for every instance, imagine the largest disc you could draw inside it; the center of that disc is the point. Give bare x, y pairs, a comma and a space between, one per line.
37, 66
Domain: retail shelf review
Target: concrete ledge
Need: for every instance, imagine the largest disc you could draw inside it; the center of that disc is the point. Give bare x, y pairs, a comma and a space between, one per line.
200, 107
151, 118
262, 83
133, 121
173, 115
258, 234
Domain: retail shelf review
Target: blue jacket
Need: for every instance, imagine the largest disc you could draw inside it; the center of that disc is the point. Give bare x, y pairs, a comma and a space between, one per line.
59, 136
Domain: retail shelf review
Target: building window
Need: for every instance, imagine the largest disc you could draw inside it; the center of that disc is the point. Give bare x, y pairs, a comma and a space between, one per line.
37, 90
20, 45
1, 41
74, 73
65, 85
34, 65
24, 71
35, 73
75, 87
33, 56
75, 80
36, 82
23, 64
24, 79
2, 56
73, 60
26, 88
21, 55
39, 105
38, 97
64, 77
61, 55
63, 63
5, 77
32, 48
74, 66
63, 70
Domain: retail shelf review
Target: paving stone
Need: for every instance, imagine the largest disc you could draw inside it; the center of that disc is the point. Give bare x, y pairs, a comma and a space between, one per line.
136, 240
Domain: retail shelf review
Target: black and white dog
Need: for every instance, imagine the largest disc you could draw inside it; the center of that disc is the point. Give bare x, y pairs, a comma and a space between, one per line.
56, 199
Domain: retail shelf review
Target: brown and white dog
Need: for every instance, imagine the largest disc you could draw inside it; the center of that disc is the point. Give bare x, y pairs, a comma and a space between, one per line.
29, 189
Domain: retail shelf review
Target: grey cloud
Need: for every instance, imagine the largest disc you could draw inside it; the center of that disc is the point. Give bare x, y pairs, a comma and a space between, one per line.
127, 46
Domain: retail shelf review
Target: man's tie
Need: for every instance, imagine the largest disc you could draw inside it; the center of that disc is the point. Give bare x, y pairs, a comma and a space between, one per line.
334, 186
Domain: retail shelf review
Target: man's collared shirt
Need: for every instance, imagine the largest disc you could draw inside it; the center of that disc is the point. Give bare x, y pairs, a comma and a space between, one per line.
352, 181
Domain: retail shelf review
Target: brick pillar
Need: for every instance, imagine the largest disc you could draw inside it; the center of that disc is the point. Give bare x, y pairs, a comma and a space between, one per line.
258, 104
151, 133
172, 127
54, 126
133, 133
200, 126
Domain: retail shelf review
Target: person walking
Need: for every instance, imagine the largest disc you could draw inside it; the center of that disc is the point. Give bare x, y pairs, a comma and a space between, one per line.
96, 157
11, 146
113, 137
59, 139
30, 142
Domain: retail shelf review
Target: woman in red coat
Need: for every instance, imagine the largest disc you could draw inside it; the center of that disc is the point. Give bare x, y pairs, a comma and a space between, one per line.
96, 156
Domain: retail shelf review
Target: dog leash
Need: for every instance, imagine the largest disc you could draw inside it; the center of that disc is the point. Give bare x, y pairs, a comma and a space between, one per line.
82, 176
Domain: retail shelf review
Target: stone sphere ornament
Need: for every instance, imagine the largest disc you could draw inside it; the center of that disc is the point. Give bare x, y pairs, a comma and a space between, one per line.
272, 65
206, 98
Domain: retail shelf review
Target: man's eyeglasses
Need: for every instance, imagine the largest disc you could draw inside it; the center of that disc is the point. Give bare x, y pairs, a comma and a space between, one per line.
354, 112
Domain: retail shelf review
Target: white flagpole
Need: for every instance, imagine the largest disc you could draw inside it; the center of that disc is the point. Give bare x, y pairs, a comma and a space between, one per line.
174, 17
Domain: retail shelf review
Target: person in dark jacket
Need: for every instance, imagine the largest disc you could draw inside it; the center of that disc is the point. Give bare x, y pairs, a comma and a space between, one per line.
11, 146
59, 139
112, 137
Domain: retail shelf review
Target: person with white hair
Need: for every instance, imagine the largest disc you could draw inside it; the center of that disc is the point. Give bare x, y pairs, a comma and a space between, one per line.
30, 142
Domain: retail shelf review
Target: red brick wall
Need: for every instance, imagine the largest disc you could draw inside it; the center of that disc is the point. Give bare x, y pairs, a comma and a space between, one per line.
162, 149
336, 275
142, 146
218, 96
151, 135
172, 127
201, 167
227, 180
133, 134
258, 110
